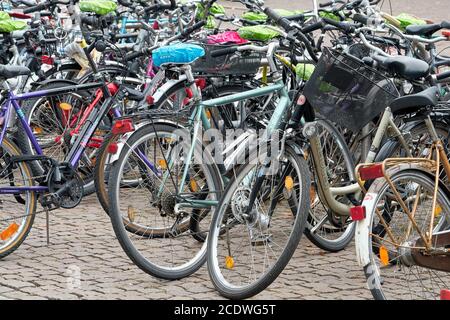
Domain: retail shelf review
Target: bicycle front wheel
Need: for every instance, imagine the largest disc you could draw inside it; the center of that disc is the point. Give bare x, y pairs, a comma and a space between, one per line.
248, 247
143, 197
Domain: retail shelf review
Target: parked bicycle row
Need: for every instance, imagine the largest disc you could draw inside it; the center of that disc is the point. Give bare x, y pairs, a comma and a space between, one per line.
224, 139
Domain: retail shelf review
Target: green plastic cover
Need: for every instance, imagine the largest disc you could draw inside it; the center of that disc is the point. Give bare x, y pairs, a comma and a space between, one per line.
257, 33
304, 70
100, 7
215, 9
12, 25
254, 16
262, 17
4, 15
329, 15
407, 19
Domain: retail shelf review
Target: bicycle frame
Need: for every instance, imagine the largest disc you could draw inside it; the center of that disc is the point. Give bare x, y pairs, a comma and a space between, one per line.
328, 193
199, 118
12, 102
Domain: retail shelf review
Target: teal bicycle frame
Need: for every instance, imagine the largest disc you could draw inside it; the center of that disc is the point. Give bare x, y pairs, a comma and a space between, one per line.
200, 119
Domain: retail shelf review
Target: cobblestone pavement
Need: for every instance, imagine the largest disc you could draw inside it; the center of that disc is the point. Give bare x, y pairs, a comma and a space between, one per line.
85, 261
83, 243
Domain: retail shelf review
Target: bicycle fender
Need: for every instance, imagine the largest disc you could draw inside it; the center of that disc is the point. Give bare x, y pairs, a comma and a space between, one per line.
362, 229
159, 93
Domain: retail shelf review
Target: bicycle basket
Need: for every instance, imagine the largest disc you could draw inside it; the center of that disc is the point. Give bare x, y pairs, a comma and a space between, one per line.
346, 91
232, 64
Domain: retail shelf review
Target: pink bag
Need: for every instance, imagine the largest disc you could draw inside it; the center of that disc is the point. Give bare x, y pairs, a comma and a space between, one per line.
231, 37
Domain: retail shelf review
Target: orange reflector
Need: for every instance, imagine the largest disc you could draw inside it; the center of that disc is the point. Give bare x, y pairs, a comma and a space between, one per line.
37, 130
371, 172
384, 256
131, 213
208, 114
194, 185
289, 183
65, 106
312, 194
437, 211
8, 232
162, 163
446, 33
229, 262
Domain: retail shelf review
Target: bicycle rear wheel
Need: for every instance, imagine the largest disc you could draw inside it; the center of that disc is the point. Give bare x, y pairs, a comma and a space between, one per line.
248, 249
392, 245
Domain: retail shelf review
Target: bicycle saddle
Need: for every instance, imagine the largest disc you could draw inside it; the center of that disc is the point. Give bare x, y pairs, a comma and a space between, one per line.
406, 67
426, 30
414, 102
7, 72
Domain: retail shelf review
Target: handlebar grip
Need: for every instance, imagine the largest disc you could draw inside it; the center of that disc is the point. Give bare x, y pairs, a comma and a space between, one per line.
173, 4
345, 27
223, 52
282, 22
313, 27
134, 55
39, 7
443, 75
445, 25
191, 29
325, 4
358, 17
296, 17
88, 20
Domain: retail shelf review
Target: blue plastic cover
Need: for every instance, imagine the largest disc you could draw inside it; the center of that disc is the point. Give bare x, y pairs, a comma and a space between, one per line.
180, 53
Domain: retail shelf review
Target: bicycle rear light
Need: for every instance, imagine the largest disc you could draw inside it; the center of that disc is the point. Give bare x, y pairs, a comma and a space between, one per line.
123, 126
358, 213
371, 172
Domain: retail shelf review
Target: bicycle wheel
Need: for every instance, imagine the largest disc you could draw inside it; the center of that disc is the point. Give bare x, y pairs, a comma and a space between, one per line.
249, 247
153, 233
17, 211
392, 270
324, 228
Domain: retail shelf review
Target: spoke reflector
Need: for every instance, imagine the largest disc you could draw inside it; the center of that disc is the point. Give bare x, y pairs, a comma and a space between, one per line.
384, 256
131, 213
229, 262
194, 185
8, 232
289, 183
437, 211
65, 106
162, 164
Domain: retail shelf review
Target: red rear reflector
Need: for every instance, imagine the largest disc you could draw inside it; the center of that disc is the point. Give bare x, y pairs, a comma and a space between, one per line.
113, 148
201, 83
445, 294
122, 126
19, 15
155, 25
371, 172
150, 100
446, 33
358, 213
